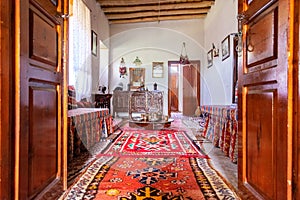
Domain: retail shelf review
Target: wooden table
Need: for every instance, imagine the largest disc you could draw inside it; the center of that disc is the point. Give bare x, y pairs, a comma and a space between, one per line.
152, 125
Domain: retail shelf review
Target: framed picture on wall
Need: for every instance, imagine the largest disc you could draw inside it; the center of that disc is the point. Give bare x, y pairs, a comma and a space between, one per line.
225, 45
157, 69
209, 58
94, 43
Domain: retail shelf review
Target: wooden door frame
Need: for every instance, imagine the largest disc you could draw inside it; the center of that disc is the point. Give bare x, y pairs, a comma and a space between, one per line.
169, 91
6, 98
198, 81
296, 102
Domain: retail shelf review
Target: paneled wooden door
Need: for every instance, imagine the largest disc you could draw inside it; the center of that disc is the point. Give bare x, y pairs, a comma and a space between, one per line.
191, 88
40, 117
173, 85
264, 165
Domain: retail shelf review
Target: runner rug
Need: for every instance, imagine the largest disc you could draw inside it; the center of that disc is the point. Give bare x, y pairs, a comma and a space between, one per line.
165, 178
177, 172
153, 143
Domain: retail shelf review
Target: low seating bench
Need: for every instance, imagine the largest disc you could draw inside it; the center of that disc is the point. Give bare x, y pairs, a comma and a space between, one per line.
86, 127
221, 128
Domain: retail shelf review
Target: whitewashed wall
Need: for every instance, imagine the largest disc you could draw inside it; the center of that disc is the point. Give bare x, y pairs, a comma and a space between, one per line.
153, 42
101, 27
162, 42
217, 80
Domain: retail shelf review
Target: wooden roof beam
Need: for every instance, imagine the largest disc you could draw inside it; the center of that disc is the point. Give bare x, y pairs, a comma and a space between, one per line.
200, 5
153, 19
148, 2
156, 13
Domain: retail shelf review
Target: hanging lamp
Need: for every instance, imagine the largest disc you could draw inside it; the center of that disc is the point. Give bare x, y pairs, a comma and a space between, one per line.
137, 61
183, 56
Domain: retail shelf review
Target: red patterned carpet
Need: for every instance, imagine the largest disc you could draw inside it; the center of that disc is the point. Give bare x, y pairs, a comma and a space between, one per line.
151, 165
155, 143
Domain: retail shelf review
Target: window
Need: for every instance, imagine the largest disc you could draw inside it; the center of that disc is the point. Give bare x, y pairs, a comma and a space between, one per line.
80, 64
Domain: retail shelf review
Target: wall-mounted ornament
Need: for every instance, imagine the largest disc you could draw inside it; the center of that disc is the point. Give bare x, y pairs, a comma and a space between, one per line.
157, 69
225, 47
137, 62
122, 68
209, 58
215, 50
183, 59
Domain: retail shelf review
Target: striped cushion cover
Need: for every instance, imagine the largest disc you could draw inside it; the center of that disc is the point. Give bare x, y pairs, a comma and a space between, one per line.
72, 104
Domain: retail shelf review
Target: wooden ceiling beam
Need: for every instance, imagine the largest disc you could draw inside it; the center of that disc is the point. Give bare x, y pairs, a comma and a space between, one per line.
146, 2
153, 19
156, 13
119, 9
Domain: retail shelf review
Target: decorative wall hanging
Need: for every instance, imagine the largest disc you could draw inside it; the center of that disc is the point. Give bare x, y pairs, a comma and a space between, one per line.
122, 68
157, 70
209, 58
137, 61
215, 50
94, 43
137, 78
226, 47
184, 60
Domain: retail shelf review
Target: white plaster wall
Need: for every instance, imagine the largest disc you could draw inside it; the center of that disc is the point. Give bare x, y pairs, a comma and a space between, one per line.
100, 25
104, 65
162, 42
153, 42
217, 80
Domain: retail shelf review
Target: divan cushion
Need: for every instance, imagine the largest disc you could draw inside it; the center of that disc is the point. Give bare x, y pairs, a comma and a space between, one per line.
72, 104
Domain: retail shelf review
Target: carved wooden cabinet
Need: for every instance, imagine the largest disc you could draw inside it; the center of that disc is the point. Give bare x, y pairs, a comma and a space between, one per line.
120, 102
155, 101
145, 102
137, 101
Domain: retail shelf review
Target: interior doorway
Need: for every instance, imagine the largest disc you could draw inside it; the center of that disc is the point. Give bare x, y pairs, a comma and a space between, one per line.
173, 86
184, 87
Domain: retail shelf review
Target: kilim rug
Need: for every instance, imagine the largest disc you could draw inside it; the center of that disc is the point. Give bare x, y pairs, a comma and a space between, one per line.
165, 178
137, 142
151, 165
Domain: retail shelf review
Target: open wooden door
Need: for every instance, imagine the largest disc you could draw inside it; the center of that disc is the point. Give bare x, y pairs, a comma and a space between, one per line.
265, 122
191, 88
173, 85
6, 99
40, 159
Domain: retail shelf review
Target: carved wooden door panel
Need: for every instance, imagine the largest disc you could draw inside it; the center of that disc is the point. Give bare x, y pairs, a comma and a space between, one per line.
263, 100
39, 143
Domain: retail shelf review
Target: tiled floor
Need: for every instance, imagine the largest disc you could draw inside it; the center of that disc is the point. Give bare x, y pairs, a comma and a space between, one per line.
222, 164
